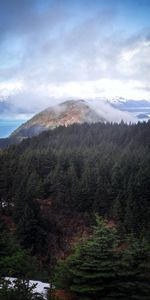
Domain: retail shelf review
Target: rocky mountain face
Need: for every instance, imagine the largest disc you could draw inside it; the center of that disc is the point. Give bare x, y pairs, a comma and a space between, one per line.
64, 114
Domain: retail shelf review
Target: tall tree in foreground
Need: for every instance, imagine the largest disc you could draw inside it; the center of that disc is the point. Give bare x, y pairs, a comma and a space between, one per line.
134, 276
91, 269
100, 268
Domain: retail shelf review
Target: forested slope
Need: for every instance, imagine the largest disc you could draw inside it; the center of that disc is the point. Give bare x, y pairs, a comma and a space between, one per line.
66, 175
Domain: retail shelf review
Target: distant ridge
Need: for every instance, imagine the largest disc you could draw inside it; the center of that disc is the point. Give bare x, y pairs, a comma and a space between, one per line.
63, 114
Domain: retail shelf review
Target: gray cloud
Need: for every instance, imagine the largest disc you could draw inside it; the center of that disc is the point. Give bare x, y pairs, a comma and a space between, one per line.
48, 48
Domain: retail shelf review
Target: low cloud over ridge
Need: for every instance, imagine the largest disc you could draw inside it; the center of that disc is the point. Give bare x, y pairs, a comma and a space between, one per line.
64, 49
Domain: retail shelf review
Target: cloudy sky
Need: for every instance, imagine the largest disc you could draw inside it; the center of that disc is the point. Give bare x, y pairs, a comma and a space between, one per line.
56, 49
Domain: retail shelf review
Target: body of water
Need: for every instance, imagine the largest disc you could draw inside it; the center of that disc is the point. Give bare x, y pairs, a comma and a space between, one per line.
8, 126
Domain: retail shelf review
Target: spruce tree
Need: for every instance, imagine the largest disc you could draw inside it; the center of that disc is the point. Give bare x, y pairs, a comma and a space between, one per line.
92, 269
105, 268
134, 275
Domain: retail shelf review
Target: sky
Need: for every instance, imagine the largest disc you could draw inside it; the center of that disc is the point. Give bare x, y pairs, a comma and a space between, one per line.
59, 49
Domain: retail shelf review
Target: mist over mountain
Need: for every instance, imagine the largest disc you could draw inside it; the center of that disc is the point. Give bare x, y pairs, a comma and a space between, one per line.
75, 149
64, 114
72, 111
137, 108
25, 106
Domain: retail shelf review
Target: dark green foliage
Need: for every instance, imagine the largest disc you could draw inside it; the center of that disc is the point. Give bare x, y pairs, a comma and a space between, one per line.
91, 269
19, 290
104, 268
15, 261
83, 170
134, 276
12, 257
31, 229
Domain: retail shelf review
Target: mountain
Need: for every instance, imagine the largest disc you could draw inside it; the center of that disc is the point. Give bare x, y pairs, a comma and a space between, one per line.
64, 114
137, 108
81, 111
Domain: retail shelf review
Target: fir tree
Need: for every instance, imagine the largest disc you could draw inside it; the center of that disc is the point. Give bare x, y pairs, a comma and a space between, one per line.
92, 269
104, 268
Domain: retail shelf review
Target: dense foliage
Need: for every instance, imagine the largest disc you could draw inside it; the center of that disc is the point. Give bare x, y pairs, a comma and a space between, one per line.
103, 267
60, 179
72, 173
15, 261
18, 290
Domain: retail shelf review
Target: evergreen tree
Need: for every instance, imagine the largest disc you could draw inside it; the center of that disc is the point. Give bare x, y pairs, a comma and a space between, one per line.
91, 270
31, 230
104, 268
18, 290
134, 276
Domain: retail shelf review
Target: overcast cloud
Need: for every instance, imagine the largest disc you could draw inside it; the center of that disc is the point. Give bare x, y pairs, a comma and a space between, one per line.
53, 50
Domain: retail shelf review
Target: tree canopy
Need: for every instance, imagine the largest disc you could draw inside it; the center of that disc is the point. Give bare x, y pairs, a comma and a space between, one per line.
103, 267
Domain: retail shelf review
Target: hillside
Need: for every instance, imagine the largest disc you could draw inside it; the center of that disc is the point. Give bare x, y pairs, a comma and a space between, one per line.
80, 111
64, 114
82, 168
53, 184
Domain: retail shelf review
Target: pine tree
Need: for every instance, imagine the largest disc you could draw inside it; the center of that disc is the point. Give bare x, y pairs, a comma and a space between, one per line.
18, 290
134, 275
105, 268
31, 229
92, 269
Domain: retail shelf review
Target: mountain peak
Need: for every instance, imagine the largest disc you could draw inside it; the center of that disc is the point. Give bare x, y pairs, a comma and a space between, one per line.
63, 114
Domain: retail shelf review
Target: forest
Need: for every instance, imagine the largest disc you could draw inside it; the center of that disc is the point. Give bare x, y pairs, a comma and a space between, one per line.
53, 185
